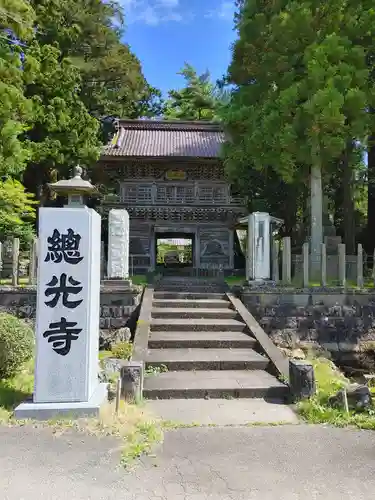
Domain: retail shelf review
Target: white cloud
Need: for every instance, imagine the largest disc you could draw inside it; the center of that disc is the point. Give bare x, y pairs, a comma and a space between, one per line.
225, 11
168, 3
153, 12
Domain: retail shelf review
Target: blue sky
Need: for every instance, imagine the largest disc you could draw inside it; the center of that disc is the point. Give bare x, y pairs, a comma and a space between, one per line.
166, 33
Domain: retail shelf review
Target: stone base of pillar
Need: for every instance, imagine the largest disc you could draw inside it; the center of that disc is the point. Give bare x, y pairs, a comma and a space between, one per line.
261, 283
117, 283
48, 411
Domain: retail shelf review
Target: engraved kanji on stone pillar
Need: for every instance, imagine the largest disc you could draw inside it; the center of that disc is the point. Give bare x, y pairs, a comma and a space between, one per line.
118, 244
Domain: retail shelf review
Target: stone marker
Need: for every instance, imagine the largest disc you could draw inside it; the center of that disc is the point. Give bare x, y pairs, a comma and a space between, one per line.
67, 316
275, 261
342, 264
360, 266
323, 278
301, 380
286, 261
15, 260
33, 261
118, 244
305, 258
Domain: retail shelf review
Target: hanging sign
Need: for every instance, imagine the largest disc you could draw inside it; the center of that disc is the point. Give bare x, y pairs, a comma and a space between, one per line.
175, 175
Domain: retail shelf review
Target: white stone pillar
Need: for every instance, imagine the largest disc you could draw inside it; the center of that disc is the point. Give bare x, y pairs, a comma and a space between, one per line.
67, 316
118, 244
259, 249
250, 271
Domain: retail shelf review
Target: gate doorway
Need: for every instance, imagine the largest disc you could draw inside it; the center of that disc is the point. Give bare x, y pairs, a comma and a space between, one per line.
174, 250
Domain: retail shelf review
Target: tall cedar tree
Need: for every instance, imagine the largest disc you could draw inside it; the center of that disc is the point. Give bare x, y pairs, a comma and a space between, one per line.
301, 90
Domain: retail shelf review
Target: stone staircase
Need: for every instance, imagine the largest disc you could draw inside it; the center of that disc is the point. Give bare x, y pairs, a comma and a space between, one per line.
204, 345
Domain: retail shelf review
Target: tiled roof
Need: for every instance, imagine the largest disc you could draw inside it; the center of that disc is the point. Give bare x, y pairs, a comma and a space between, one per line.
166, 138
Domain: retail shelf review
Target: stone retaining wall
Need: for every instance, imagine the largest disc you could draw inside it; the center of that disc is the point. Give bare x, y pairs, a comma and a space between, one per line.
341, 322
118, 307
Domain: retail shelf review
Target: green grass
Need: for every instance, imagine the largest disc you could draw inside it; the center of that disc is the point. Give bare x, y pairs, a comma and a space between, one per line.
235, 280
140, 280
317, 410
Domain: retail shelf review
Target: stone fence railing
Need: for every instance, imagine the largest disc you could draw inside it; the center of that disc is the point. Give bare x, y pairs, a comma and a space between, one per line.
337, 268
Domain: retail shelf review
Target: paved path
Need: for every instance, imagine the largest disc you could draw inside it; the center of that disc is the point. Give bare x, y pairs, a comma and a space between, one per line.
221, 411
227, 463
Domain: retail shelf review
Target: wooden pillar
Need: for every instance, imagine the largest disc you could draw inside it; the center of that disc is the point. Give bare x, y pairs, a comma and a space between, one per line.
197, 248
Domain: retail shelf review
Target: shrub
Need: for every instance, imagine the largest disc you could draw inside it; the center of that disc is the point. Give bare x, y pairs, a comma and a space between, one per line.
122, 350
16, 344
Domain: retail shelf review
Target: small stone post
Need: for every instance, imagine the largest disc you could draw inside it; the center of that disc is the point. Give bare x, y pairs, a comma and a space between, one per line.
33, 261
324, 265
15, 260
275, 261
301, 380
360, 266
373, 267
342, 264
287, 261
305, 261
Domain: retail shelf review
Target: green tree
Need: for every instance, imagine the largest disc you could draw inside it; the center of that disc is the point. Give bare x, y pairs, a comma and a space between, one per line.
17, 211
90, 34
300, 97
200, 99
62, 132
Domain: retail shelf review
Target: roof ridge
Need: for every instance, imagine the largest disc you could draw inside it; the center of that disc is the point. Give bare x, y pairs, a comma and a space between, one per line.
170, 125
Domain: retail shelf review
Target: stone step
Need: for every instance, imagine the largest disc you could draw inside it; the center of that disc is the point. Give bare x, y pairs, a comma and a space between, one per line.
184, 325
164, 312
178, 340
176, 295
206, 359
190, 289
213, 384
193, 303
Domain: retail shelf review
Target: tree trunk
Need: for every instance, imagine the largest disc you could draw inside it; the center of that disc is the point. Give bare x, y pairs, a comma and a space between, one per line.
316, 207
348, 201
370, 238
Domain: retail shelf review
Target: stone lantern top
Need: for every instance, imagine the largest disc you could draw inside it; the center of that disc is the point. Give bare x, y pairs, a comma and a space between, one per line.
75, 188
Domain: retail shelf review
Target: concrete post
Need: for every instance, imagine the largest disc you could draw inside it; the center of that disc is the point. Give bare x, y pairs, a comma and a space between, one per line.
287, 261
33, 261
323, 280
275, 261
360, 266
342, 264
15, 260
305, 261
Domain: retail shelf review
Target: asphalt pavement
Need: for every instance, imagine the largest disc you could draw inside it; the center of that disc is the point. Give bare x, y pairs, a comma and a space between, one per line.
286, 462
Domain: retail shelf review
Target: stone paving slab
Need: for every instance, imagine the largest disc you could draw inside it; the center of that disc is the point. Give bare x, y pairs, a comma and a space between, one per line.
215, 383
193, 312
209, 324
200, 339
193, 303
222, 412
